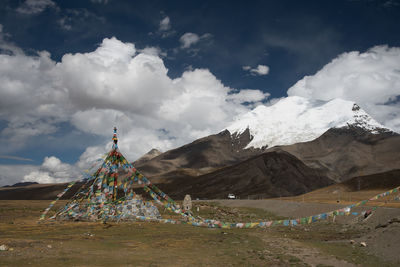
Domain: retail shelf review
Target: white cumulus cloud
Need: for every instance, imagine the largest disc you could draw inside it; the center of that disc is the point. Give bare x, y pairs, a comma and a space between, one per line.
11, 174
53, 170
114, 85
372, 79
258, 71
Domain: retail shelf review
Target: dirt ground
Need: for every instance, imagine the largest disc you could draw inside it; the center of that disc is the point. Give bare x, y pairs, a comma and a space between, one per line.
324, 243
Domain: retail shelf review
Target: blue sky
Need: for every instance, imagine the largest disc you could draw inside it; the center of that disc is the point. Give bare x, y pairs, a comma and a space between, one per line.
185, 53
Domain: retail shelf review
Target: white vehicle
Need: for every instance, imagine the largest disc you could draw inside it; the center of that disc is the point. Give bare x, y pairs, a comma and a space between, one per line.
231, 196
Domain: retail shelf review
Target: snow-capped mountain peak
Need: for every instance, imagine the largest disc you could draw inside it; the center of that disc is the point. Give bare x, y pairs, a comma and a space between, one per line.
296, 119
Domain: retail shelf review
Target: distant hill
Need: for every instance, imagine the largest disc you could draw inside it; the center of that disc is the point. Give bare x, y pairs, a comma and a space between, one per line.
21, 184
356, 189
37, 191
383, 181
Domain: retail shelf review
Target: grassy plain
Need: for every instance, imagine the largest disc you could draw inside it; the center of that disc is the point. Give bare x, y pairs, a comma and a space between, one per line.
154, 244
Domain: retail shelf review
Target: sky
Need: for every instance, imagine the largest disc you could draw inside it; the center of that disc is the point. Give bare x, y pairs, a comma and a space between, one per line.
169, 72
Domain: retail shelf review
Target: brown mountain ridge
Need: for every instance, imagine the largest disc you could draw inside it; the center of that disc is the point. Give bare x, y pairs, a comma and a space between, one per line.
342, 153
270, 174
213, 166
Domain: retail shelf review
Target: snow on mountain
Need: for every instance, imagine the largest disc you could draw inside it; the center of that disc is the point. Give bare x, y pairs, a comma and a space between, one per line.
296, 119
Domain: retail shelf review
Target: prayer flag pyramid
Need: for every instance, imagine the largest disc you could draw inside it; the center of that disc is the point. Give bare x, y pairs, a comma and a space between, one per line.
107, 195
